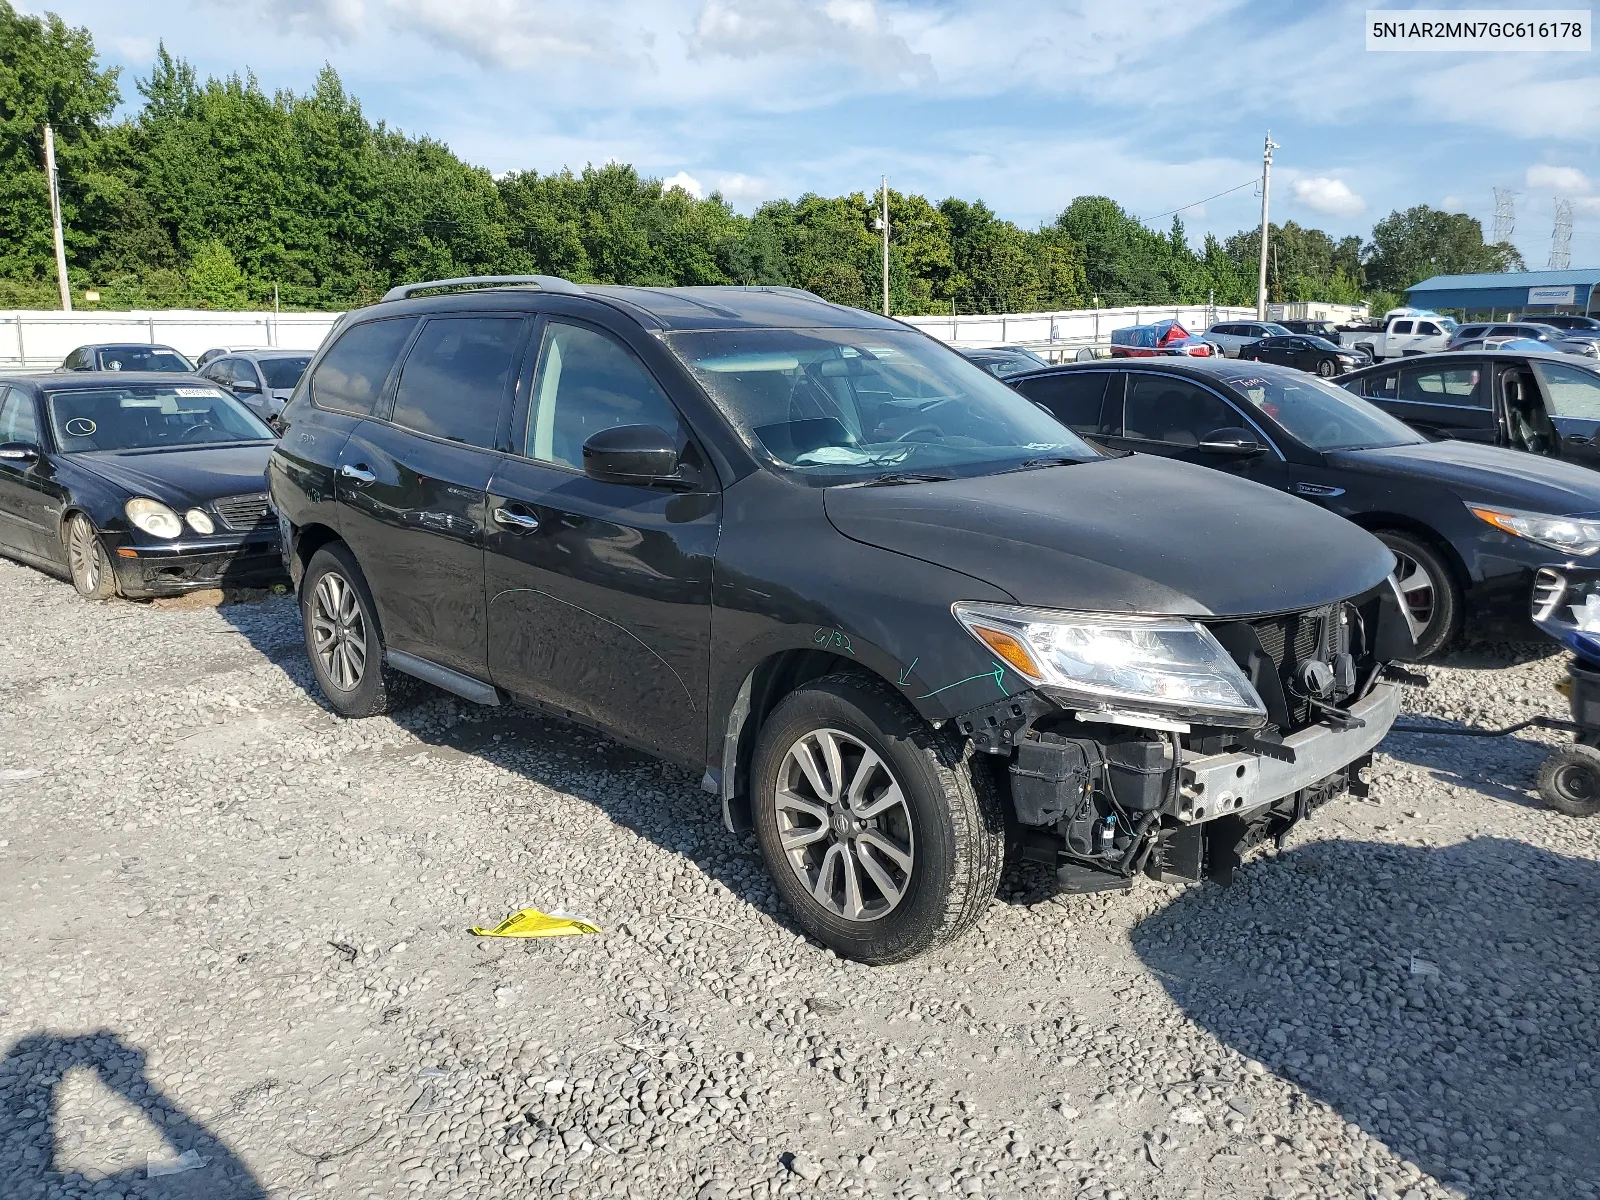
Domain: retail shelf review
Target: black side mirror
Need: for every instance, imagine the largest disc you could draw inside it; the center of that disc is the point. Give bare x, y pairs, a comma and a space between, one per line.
631, 454
246, 385
20, 452
1235, 443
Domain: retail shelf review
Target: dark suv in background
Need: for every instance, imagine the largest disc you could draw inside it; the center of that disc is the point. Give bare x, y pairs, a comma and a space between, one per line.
893, 614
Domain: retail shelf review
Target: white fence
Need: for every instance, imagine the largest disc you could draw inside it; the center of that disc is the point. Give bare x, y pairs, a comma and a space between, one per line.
1069, 329
38, 341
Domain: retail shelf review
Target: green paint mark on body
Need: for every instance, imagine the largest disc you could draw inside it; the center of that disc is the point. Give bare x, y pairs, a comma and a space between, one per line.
906, 673
998, 675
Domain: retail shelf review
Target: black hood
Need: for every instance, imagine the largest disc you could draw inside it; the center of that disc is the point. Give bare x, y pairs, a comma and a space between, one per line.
1135, 534
1485, 473
182, 478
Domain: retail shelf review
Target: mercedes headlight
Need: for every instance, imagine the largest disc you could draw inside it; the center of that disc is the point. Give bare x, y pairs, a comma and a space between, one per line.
199, 522
1161, 665
1570, 535
153, 517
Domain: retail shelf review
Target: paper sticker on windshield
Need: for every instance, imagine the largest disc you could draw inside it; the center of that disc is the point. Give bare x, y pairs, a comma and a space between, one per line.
208, 393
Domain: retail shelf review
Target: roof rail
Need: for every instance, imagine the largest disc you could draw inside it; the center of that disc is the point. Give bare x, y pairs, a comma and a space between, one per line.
549, 283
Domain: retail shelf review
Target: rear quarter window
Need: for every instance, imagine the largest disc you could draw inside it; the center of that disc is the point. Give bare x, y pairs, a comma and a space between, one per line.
351, 376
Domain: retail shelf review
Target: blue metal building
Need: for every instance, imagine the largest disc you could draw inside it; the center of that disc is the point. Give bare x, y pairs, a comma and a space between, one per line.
1511, 292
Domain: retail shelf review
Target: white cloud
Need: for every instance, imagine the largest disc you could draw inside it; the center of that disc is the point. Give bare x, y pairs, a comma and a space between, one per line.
1557, 179
685, 181
508, 33
135, 49
848, 30
337, 20
1331, 197
738, 188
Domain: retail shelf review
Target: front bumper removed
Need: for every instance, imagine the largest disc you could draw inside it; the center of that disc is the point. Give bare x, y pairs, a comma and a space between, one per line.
1220, 785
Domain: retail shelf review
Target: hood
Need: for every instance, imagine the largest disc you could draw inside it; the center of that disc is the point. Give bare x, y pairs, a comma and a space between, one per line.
182, 478
1136, 534
1486, 473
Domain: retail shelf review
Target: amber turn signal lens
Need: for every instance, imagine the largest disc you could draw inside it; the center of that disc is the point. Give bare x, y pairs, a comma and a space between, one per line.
1011, 650
124, 552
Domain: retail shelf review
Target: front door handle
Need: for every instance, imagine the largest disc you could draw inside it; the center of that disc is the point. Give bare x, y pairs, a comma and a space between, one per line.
359, 474
520, 521
1576, 439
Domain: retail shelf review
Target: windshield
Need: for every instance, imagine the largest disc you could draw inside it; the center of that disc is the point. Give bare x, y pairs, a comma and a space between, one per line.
1573, 391
1322, 416
283, 373
150, 416
856, 404
144, 358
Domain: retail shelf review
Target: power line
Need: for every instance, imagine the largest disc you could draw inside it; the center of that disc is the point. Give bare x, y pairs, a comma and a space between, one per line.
1207, 200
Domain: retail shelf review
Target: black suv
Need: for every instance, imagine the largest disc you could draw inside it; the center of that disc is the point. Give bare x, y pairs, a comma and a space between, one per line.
897, 616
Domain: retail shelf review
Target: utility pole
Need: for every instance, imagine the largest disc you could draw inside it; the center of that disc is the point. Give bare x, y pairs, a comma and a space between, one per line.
55, 218
883, 224
1266, 188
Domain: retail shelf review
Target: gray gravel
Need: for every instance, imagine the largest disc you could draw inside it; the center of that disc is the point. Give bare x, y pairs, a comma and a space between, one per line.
237, 925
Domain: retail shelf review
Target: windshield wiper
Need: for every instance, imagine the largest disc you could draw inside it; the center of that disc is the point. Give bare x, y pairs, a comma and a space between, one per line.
897, 477
1033, 464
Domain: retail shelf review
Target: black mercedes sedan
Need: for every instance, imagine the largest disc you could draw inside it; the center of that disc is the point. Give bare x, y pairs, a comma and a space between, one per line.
145, 485
1469, 524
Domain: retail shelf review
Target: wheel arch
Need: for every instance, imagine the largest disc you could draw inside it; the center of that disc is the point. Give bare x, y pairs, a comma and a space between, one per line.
1377, 522
308, 539
766, 684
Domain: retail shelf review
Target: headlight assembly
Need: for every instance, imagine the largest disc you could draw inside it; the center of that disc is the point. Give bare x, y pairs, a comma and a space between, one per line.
1570, 535
1093, 661
154, 517
199, 522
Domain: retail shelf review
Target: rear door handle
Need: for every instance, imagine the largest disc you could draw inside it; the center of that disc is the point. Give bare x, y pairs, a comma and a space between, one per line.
520, 521
359, 474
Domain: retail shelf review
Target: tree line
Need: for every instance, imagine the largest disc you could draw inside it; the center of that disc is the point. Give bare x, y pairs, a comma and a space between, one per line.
214, 194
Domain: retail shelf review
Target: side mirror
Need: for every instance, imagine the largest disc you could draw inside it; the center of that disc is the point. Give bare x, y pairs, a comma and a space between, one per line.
246, 385
631, 454
1234, 443
20, 452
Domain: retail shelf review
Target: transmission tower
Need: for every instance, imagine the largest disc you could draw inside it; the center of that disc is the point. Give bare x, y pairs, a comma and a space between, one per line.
1561, 237
1505, 214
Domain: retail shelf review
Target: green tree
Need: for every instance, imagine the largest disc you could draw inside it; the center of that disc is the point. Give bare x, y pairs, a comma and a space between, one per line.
839, 283
215, 279
1408, 247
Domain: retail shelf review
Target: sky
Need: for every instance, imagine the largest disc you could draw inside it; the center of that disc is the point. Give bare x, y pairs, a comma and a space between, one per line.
1021, 104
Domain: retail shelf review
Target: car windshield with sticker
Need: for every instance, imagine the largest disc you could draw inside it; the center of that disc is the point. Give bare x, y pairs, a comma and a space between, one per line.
150, 417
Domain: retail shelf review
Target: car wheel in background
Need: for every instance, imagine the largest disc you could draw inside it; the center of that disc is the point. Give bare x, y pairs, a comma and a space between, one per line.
1569, 781
880, 838
1429, 587
86, 557
343, 639
1326, 368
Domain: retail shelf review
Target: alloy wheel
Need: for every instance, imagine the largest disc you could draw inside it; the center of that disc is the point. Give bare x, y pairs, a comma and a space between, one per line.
83, 555
1416, 585
844, 825
338, 631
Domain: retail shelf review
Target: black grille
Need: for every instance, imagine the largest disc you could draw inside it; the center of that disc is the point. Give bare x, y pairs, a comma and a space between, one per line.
242, 513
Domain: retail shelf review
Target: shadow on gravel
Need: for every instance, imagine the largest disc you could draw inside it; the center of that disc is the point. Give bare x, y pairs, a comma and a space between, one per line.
30, 1074
1504, 768
1491, 656
1444, 1000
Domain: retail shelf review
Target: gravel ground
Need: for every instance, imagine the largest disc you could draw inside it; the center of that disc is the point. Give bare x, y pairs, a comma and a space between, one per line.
237, 927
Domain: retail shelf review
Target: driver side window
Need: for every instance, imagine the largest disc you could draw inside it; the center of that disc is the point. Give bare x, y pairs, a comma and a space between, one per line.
17, 421
587, 381
1161, 408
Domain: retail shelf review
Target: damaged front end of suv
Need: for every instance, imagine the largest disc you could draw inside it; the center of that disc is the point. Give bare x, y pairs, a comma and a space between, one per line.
1172, 746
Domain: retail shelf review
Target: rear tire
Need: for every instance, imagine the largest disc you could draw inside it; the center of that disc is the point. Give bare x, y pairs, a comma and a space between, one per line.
1569, 781
344, 640
1430, 589
879, 836
87, 559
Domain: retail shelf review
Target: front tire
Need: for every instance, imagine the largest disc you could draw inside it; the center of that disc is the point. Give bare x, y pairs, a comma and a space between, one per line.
881, 839
1325, 368
344, 640
1430, 590
86, 558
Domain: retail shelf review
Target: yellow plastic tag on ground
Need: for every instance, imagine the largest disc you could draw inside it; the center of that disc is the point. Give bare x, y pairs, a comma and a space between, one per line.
531, 923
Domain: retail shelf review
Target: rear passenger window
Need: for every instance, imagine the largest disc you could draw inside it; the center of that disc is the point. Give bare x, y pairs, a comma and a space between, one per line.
455, 380
1445, 385
587, 382
1175, 411
1075, 398
1401, 327
350, 377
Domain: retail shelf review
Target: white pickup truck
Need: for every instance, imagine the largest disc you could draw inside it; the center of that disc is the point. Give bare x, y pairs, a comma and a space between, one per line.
1405, 334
